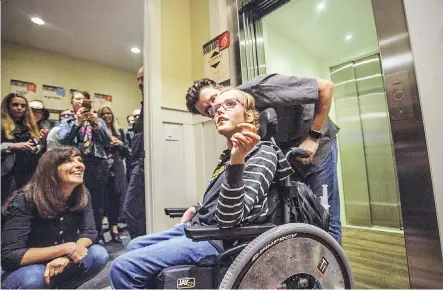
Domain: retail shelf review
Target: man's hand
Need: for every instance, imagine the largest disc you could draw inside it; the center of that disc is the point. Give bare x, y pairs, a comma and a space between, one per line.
187, 216
309, 145
55, 267
79, 253
243, 142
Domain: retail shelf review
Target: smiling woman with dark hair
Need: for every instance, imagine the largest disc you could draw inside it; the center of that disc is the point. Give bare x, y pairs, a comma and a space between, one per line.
49, 227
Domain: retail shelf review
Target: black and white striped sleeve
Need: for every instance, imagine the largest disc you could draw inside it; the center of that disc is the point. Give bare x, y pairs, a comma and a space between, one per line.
245, 186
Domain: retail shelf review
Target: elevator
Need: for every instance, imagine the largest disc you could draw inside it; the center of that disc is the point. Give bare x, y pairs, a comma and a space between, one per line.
385, 185
367, 161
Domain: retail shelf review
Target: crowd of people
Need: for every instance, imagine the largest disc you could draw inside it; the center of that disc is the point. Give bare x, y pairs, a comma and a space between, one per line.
58, 183
68, 227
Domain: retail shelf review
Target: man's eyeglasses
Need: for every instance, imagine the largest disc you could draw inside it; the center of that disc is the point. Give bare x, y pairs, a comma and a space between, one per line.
227, 104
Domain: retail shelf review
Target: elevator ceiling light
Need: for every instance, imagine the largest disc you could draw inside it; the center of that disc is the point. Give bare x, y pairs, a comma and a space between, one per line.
135, 50
348, 37
320, 6
37, 21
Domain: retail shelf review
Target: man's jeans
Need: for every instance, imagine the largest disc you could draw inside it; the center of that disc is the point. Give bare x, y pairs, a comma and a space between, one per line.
327, 174
148, 255
74, 275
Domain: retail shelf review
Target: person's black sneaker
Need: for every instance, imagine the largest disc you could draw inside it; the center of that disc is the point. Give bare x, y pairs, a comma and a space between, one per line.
115, 237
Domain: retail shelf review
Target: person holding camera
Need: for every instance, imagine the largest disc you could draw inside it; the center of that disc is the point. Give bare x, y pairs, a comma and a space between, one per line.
20, 146
86, 131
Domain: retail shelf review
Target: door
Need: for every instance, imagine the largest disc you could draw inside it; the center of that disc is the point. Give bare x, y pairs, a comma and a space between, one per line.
367, 161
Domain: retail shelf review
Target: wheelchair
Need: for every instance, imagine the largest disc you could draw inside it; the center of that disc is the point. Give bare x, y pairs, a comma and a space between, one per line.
278, 254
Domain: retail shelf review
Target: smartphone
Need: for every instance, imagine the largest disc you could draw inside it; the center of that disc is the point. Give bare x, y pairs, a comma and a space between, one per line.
87, 105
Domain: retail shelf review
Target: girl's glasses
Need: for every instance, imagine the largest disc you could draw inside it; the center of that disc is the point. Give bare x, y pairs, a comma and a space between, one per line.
227, 104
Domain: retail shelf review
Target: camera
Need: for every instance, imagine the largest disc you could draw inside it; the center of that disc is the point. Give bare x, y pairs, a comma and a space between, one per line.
87, 104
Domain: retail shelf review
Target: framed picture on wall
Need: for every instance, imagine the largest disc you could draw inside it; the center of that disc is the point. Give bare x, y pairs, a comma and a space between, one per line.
100, 100
23, 88
53, 97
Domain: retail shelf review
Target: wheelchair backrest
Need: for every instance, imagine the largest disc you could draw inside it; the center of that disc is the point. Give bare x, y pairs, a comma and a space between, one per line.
268, 124
268, 129
289, 201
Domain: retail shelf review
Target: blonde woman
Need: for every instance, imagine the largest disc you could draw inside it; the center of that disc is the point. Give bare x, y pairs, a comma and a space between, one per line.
116, 188
19, 144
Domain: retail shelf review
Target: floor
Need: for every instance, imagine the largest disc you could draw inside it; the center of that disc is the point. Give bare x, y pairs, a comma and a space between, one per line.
101, 281
378, 258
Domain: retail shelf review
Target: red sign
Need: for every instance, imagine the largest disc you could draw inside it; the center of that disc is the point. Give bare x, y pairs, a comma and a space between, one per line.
31, 87
224, 40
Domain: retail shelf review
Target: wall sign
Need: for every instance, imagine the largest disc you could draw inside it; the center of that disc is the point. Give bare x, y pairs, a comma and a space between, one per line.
216, 59
25, 89
100, 100
53, 97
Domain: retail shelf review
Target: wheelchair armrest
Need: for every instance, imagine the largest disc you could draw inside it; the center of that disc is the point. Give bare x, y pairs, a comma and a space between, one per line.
175, 212
205, 233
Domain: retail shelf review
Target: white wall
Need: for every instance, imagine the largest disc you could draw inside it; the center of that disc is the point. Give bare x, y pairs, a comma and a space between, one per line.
285, 56
425, 24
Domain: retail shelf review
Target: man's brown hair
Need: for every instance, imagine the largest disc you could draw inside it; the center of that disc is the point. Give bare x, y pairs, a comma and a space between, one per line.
193, 94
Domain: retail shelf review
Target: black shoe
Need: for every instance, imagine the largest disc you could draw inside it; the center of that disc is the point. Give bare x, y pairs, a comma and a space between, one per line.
115, 237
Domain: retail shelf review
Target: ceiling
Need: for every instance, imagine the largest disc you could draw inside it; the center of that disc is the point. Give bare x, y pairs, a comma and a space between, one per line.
322, 33
101, 31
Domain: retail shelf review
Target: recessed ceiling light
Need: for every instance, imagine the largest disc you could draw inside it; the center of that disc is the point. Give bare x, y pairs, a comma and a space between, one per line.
37, 21
320, 6
135, 50
348, 37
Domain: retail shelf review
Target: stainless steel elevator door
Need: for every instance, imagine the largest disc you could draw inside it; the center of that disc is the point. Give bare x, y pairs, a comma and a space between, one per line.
369, 176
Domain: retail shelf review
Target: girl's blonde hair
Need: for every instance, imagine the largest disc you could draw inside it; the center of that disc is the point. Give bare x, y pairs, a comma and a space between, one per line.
248, 104
8, 124
115, 127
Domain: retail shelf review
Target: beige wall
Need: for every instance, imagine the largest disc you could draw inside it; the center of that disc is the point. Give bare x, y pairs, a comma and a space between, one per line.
199, 35
184, 26
43, 68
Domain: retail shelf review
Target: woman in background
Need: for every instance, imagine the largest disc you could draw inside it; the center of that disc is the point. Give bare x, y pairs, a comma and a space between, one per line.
86, 131
19, 144
117, 151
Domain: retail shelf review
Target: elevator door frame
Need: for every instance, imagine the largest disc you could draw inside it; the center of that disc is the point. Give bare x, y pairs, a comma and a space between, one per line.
422, 239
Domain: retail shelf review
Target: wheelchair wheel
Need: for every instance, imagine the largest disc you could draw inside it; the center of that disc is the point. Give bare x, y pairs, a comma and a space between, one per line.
291, 256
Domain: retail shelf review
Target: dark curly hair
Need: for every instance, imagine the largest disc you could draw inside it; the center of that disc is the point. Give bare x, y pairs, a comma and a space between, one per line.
193, 93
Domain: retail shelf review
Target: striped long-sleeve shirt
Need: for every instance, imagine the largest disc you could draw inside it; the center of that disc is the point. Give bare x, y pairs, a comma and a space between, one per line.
243, 193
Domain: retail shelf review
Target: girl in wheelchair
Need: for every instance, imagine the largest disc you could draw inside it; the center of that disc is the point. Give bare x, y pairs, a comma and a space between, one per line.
236, 195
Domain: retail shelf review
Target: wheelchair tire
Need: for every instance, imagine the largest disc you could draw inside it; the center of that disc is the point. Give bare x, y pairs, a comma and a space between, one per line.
261, 265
